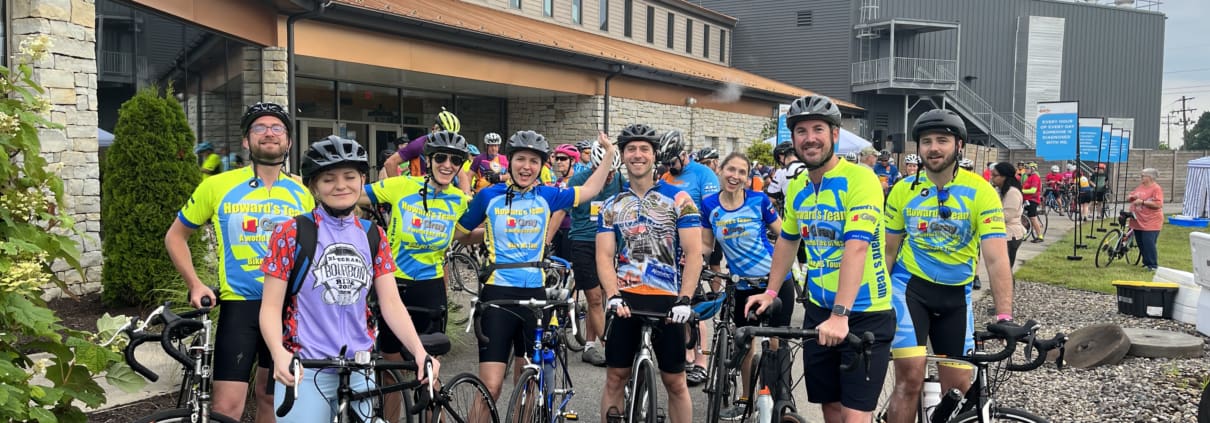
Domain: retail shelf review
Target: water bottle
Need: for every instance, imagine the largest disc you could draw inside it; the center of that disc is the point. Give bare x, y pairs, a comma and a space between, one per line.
950, 402
932, 396
764, 405
548, 370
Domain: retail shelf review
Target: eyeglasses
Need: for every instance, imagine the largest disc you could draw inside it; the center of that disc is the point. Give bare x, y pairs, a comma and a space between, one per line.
562, 158
261, 129
456, 160
944, 211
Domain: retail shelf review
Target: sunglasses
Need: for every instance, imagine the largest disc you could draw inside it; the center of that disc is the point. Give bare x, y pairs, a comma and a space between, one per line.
562, 158
456, 160
261, 129
944, 211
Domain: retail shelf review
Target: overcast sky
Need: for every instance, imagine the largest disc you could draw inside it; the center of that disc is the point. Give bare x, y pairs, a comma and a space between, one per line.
1186, 61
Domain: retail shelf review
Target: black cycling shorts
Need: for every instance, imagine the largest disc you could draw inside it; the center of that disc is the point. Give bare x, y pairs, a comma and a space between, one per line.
560, 246
941, 315
1084, 197
1031, 208
238, 343
716, 255
667, 339
826, 383
584, 263
425, 294
508, 329
782, 318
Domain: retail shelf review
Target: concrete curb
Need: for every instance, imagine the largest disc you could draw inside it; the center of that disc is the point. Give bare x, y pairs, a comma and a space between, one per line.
149, 355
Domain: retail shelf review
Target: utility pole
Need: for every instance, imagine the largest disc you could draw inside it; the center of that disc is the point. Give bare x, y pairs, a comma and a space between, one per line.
1185, 119
1168, 124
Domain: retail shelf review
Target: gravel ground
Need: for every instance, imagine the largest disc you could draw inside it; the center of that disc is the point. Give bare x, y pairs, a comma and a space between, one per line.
1135, 390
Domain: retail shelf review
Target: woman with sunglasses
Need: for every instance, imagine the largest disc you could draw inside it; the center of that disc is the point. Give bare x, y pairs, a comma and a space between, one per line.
425, 211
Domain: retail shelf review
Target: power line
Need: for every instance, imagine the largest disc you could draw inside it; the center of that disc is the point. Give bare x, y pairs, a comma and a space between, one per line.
1185, 119
1188, 70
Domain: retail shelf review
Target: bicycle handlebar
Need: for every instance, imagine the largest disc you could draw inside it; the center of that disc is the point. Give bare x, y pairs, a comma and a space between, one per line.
128, 353
654, 317
1007, 331
1043, 347
161, 315
297, 364
532, 303
743, 339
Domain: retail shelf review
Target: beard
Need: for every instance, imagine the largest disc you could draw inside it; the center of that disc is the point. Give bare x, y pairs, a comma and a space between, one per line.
949, 162
824, 159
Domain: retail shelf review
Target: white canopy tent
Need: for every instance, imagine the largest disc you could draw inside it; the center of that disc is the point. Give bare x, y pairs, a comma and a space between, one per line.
1197, 189
104, 138
849, 142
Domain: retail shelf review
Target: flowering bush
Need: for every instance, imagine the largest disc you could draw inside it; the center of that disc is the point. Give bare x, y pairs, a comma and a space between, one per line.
34, 232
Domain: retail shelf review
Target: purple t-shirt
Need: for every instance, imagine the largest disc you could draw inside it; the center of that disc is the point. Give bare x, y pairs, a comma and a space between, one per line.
330, 310
484, 162
414, 150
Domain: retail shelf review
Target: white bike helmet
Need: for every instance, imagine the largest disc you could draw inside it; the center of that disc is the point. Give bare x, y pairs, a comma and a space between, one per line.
967, 164
911, 159
1054, 169
492, 138
598, 154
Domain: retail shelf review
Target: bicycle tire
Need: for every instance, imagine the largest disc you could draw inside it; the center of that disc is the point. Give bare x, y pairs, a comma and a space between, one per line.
1029, 228
523, 403
464, 273
1133, 254
644, 400
458, 398
793, 418
181, 415
575, 342
1107, 249
1000, 414
406, 396
720, 382
1044, 219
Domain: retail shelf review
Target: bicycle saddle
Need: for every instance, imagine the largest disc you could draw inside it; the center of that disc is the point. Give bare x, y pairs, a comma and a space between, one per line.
434, 344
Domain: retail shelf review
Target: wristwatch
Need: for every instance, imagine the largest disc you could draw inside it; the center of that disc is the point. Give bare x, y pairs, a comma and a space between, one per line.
840, 310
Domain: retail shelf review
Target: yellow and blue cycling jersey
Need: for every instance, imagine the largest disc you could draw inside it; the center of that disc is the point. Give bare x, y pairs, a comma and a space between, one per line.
741, 234
944, 250
517, 222
649, 254
845, 205
421, 226
244, 214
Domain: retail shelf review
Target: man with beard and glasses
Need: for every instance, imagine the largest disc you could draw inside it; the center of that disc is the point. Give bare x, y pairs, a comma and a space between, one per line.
834, 212
245, 205
944, 217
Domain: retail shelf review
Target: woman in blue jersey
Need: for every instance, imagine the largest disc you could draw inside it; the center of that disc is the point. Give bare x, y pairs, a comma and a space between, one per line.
739, 218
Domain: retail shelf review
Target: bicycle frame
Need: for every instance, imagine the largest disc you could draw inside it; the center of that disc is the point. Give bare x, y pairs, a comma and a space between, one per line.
545, 340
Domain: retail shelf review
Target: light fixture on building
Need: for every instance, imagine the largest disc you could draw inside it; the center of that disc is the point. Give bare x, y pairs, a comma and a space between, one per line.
690, 101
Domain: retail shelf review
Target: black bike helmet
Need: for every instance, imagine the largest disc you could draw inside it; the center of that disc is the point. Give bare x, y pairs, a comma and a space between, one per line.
529, 140
782, 150
445, 142
257, 110
708, 153
670, 147
638, 132
813, 107
940, 120
333, 152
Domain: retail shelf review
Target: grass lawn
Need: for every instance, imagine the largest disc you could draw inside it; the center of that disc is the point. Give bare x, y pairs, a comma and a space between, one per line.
1052, 266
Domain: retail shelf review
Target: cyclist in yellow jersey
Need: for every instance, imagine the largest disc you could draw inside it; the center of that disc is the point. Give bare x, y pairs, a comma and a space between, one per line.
944, 218
835, 211
244, 205
211, 161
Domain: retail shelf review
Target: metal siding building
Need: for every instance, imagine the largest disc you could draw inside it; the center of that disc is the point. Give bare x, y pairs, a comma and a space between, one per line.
975, 52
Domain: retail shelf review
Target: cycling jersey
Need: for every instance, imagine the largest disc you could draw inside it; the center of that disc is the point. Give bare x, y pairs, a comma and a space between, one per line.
1031, 188
741, 234
944, 251
516, 228
483, 165
212, 164
243, 213
695, 179
781, 178
584, 215
649, 254
330, 310
887, 174
1054, 181
419, 236
845, 205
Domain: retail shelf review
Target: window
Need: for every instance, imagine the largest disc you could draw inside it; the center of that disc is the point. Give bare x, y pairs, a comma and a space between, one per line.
706, 41
671, 29
628, 9
604, 15
689, 35
805, 18
316, 98
548, 8
577, 12
650, 24
734, 142
712, 141
722, 45
515, 4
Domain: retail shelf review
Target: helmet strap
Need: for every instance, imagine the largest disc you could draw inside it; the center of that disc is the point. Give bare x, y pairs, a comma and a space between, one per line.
338, 212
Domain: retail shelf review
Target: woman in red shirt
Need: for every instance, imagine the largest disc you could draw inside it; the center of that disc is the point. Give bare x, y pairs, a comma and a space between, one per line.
1147, 203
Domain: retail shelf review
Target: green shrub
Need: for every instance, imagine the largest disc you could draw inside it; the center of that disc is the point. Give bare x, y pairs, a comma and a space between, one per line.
762, 153
150, 172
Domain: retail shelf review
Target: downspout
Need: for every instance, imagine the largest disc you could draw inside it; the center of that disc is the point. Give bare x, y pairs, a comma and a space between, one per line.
605, 123
290, 94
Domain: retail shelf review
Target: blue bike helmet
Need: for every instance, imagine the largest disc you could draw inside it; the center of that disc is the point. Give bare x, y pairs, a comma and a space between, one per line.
708, 307
473, 150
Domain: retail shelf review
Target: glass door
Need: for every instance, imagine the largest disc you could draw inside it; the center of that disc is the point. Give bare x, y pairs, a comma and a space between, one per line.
382, 145
311, 130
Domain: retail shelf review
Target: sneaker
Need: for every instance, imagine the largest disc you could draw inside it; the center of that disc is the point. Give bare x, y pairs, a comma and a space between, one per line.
733, 413
976, 284
1037, 241
695, 375
594, 356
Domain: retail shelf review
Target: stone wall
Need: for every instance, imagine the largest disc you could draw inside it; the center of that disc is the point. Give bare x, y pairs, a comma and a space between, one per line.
265, 76
69, 74
567, 119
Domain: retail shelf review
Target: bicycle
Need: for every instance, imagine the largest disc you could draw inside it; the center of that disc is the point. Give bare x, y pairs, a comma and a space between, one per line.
345, 397
979, 403
1030, 231
193, 400
465, 265
1117, 244
773, 367
722, 387
641, 400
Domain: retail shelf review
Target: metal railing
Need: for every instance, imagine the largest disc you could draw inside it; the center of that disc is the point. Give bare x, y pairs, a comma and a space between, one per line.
116, 63
907, 69
1009, 127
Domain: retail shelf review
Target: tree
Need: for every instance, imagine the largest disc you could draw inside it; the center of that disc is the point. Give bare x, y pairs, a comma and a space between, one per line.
761, 152
35, 231
1198, 137
150, 172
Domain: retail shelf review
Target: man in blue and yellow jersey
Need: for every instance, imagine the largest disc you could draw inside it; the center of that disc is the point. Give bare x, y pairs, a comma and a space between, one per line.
944, 217
424, 213
244, 205
835, 211
518, 214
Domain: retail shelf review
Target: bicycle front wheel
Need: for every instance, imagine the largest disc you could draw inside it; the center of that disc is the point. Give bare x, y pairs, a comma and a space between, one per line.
182, 415
465, 399
464, 273
1044, 220
1107, 250
524, 405
575, 342
1000, 414
793, 418
721, 385
644, 400
1133, 254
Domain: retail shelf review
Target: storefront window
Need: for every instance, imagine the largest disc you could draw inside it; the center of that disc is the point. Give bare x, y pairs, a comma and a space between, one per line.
480, 115
369, 103
316, 98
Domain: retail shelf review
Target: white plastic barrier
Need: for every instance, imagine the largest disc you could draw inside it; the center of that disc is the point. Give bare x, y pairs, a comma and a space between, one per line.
1185, 308
1200, 242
